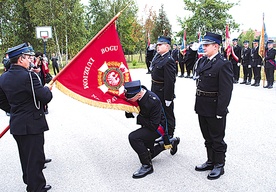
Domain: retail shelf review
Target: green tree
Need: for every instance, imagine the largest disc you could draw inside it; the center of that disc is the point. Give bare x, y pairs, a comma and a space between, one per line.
249, 36
162, 25
67, 21
102, 11
207, 15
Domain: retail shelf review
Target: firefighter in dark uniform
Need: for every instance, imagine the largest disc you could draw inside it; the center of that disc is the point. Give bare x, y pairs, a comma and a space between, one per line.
175, 53
163, 79
270, 64
152, 120
235, 58
214, 80
256, 63
190, 59
181, 57
246, 65
22, 94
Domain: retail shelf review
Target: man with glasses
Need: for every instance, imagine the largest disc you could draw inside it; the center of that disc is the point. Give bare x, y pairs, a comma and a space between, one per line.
214, 81
22, 94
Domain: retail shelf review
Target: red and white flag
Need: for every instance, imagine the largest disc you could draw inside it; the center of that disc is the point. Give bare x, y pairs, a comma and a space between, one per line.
96, 75
228, 48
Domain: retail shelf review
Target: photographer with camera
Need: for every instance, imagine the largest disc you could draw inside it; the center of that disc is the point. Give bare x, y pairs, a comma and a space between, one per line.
42, 65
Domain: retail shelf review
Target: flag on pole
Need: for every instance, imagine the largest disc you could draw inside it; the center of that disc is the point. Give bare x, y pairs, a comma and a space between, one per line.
183, 45
263, 40
228, 48
200, 50
148, 39
96, 75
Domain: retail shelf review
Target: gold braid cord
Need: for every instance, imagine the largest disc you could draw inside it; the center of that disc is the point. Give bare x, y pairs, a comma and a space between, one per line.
99, 104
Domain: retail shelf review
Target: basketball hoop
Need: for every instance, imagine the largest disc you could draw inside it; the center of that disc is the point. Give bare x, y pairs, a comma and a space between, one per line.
45, 38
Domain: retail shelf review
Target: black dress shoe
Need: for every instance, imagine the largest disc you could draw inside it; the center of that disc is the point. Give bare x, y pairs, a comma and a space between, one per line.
143, 171
266, 86
270, 87
48, 160
46, 188
216, 172
205, 166
253, 84
181, 76
174, 146
244, 82
257, 85
247, 83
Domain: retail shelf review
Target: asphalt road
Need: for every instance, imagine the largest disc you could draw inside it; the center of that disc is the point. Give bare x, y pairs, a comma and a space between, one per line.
90, 150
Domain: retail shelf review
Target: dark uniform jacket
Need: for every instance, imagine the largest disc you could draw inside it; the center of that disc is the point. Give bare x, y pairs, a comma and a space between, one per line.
175, 53
237, 51
16, 97
190, 57
270, 58
151, 113
217, 77
163, 76
246, 56
255, 57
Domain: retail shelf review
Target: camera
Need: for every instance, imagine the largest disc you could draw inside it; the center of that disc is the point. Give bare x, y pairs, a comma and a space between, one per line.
41, 58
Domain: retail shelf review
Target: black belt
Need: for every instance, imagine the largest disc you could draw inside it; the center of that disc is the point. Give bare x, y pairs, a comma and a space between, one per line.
158, 82
206, 93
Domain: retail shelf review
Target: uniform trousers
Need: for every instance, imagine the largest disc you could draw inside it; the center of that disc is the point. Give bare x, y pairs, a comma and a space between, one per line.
213, 131
269, 73
182, 68
32, 158
158, 89
236, 71
247, 73
257, 74
142, 139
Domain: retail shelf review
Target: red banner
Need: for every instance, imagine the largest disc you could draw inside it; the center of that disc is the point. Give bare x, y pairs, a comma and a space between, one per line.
96, 75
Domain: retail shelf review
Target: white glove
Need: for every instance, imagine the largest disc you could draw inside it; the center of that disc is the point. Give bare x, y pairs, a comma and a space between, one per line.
249, 66
219, 117
258, 65
168, 103
239, 64
135, 114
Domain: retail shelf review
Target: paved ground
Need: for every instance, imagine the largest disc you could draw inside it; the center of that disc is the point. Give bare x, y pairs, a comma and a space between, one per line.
90, 149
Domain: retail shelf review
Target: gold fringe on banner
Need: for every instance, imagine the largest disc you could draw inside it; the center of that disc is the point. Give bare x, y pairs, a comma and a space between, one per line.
131, 109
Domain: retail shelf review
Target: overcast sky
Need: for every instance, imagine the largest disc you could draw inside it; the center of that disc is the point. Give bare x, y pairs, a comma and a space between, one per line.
248, 14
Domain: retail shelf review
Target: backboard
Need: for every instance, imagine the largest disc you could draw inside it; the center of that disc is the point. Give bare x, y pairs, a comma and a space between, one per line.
42, 32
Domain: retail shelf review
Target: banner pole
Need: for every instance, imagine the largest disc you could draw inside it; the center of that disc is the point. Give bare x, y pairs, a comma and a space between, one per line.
88, 44
4, 131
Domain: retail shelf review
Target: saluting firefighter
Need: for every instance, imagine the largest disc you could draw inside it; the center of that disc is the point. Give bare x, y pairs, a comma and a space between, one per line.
246, 65
163, 72
256, 63
214, 81
270, 64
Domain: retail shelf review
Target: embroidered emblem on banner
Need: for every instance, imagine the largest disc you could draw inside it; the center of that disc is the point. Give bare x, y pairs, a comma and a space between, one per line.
111, 77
